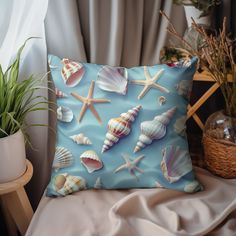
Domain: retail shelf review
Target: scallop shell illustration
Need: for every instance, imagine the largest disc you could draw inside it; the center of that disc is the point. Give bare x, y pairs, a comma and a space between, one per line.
162, 100
98, 183
64, 114
180, 126
63, 158
91, 161
72, 72
113, 79
81, 139
184, 88
65, 184
154, 129
176, 163
192, 187
60, 94
119, 127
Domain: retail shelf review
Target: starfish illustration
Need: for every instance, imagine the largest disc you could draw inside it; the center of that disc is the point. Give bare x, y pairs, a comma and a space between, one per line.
130, 165
150, 82
88, 102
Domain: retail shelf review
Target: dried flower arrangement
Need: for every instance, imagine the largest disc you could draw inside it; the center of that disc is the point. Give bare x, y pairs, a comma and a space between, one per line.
217, 56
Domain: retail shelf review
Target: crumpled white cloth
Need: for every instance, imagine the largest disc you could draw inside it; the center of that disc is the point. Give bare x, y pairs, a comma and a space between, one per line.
149, 212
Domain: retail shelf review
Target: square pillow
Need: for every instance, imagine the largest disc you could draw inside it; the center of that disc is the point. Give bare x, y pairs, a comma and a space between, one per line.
121, 128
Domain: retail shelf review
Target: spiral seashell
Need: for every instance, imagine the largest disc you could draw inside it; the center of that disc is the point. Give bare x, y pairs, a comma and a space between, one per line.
154, 129
72, 72
175, 163
119, 127
113, 79
91, 161
63, 158
60, 94
65, 184
81, 139
64, 114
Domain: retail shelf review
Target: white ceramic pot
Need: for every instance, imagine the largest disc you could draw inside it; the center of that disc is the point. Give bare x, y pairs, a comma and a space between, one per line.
191, 11
12, 157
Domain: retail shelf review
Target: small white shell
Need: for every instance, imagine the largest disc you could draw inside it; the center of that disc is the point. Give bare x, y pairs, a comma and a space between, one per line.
81, 139
113, 79
192, 187
63, 158
64, 114
180, 126
162, 100
176, 163
91, 161
50, 64
66, 184
119, 127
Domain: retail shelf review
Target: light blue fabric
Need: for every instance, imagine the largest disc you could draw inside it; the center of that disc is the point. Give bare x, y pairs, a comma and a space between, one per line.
151, 163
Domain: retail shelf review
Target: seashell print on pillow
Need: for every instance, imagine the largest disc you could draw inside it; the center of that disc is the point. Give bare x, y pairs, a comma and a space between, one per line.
120, 128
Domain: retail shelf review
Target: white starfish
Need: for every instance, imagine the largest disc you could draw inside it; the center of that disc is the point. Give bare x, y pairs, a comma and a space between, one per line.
88, 103
150, 82
130, 165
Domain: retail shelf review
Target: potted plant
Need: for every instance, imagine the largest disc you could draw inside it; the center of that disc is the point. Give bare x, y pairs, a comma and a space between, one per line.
217, 55
199, 10
17, 100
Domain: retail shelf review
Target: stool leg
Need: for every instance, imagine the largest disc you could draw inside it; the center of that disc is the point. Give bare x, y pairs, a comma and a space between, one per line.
11, 226
19, 208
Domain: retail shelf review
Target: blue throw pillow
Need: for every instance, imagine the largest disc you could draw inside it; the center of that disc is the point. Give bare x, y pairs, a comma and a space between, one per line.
121, 128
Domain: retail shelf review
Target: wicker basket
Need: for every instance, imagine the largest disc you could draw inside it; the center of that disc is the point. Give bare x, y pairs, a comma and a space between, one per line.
220, 156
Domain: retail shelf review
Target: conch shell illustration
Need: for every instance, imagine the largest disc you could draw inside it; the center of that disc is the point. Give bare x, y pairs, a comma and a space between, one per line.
65, 184
154, 129
72, 72
119, 127
81, 139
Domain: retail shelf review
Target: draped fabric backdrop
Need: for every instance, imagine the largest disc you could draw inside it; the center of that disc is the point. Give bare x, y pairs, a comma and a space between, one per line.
115, 32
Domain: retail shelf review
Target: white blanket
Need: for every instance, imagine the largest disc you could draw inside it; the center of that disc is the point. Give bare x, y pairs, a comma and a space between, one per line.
149, 212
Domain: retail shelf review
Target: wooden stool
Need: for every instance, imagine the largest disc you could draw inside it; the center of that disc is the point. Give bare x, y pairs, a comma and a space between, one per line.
15, 203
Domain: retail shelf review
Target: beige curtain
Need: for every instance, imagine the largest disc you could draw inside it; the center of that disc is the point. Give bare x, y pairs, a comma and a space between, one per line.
114, 32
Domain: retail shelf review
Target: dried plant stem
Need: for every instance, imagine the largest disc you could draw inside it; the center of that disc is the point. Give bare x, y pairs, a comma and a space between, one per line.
216, 55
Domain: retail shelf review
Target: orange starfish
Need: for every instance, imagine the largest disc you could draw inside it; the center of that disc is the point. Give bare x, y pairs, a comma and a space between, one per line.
149, 82
88, 102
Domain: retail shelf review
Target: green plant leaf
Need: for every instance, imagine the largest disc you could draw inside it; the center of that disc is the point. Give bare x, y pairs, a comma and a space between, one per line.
18, 98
